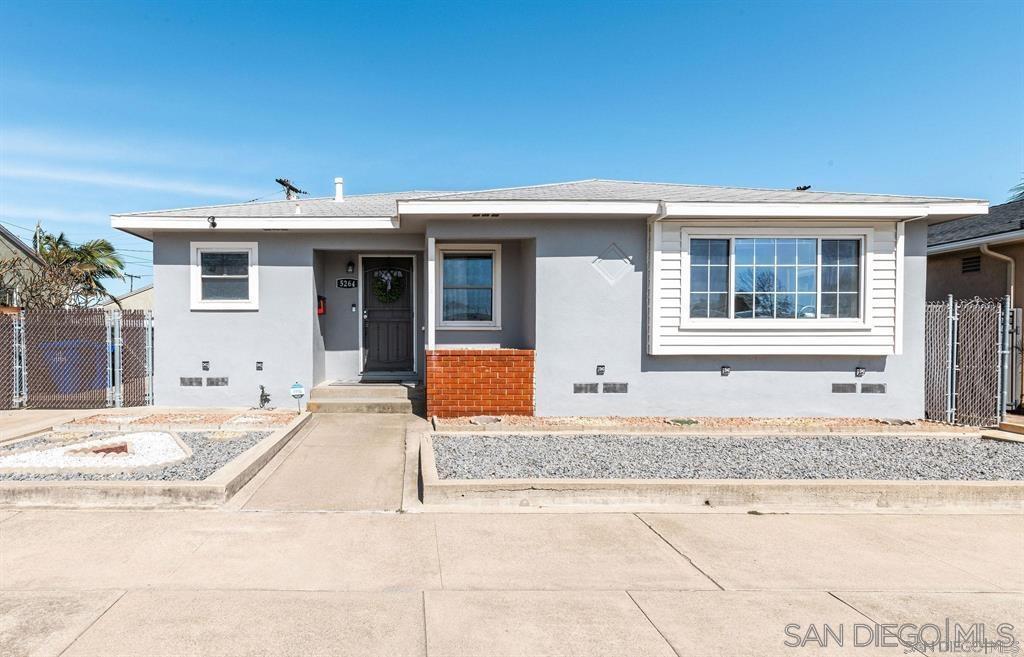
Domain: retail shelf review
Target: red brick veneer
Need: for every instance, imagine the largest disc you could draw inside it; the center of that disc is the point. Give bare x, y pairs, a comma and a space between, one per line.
479, 382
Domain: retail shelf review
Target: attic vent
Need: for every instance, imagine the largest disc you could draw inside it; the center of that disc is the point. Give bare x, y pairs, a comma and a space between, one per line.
970, 264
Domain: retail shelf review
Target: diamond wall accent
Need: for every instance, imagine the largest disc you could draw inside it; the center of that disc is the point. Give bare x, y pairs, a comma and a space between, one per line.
613, 263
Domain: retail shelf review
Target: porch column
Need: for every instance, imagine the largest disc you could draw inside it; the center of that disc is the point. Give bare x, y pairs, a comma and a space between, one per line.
431, 293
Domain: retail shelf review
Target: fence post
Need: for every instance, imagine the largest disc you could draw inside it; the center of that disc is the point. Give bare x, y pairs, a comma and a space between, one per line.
951, 364
1004, 357
20, 393
118, 370
149, 358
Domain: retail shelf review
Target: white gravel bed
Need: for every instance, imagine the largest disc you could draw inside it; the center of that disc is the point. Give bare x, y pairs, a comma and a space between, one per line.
208, 456
468, 456
146, 449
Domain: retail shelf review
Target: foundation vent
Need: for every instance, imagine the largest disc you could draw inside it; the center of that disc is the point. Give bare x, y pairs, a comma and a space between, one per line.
216, 381
190, 381
844, 387
873, 388
615, 387
584, 388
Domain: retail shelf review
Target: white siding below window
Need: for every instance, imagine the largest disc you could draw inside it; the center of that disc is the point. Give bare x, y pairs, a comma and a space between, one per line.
672, 333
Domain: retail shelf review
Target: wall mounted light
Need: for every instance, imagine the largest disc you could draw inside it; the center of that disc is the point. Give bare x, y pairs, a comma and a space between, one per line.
353, 307
725, 370
350, 267
859, 371
212, 221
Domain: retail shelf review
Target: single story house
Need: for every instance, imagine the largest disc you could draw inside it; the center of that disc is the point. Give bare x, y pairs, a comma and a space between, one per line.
12, 248
979, 256
596, 297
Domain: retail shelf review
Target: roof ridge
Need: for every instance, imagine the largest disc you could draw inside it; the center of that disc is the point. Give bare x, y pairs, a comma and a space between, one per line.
504, 189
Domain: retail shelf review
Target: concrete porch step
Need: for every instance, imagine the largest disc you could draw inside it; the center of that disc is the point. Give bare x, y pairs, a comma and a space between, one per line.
360, 405
362, 391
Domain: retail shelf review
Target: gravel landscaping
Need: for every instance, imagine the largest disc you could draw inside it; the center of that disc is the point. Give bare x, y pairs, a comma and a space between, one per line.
468, 456
209, 453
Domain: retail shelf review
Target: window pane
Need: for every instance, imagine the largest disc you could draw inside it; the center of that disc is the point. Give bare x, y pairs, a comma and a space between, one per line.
718, 305
848, 279
224, 264
785, 305
699, 252
719, 279
829, 252
848, 251
828, 305
764, 279
806, 279
806, 306
763, 305
785, 252
744, 279
699, 279
743, 306
744, 251
472, 270
848, 305
225, 289
764, 251
698, 305
807, 251
785, 279
467, 305
719, 252
829, 279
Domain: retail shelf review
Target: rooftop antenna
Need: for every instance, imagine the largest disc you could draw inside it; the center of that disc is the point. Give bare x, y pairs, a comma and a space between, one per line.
799, 188
291, 192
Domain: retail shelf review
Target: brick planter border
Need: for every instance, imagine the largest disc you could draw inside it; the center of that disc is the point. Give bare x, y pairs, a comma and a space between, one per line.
463, 382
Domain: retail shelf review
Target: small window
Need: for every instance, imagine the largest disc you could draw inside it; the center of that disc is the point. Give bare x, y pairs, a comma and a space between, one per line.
224, 276
469, 289
970, 264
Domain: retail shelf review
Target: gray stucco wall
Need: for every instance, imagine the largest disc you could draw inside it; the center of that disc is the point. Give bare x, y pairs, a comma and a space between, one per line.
284, 333
583, 321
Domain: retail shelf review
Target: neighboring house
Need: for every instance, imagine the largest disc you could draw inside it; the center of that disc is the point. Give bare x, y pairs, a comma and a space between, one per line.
979, 256
12, 247
140, 299
596, 297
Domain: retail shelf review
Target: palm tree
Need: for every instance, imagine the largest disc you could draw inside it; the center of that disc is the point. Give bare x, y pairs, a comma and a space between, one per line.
1017, 191
90, 262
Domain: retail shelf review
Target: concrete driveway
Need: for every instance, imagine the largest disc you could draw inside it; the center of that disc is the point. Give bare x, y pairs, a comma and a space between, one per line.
301, 565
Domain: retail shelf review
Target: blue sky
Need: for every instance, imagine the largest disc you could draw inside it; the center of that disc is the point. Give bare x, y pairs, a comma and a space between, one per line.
110, 107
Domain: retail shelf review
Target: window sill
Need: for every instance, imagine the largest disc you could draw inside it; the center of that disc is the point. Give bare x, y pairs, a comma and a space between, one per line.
468, 327
225, 305
776, 324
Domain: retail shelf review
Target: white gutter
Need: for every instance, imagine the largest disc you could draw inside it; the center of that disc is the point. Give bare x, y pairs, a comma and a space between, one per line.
1010, 267
976, 242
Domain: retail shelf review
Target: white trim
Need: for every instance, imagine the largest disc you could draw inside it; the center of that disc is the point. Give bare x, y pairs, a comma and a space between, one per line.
359, 313
702, 209
975, 242
865, 235
495, 323
431, 256
897, 337
195, 276
294, 222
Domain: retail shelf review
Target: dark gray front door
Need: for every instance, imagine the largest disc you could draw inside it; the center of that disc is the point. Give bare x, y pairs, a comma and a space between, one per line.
387, 314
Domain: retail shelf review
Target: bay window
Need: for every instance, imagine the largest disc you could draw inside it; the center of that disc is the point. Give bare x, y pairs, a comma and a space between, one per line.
769, 277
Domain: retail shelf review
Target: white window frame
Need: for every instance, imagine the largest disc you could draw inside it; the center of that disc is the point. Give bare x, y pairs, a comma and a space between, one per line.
864, 234
198, 303
494, 250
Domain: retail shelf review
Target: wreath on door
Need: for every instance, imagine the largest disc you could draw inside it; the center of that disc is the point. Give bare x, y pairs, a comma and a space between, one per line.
388, 285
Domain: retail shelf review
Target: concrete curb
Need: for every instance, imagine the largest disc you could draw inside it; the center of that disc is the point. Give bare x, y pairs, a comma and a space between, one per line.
211, 492
771, 495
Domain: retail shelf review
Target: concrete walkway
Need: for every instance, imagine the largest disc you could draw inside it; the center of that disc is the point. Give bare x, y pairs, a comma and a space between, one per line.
338, 463
265, 576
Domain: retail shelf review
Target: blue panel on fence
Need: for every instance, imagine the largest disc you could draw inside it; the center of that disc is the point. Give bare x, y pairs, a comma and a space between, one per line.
77, 365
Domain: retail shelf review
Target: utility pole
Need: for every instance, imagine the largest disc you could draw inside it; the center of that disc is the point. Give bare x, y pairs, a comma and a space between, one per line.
131, 281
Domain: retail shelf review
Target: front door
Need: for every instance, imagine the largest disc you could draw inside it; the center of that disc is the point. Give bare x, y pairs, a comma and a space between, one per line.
388, 314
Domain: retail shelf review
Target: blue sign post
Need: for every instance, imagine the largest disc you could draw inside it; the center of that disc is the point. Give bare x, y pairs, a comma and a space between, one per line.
298, 392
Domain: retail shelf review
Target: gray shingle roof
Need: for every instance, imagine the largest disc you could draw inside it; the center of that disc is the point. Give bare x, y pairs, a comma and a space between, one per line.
357, 205
386, 205
624, 190
1000, 219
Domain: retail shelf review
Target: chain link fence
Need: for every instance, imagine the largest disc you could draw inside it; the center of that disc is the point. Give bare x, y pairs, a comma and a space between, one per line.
77, 358
970, 348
